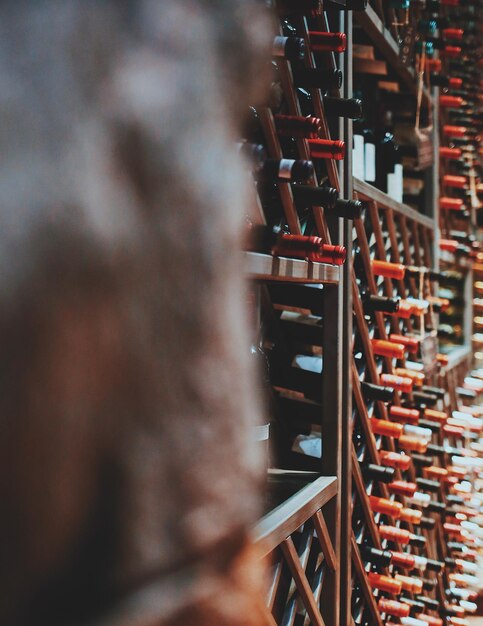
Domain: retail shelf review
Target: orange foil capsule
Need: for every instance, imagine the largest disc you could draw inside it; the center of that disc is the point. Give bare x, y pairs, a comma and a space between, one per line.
400, 383
430, 620
403, 414
402, 488
403, 559
413, 444
435, 416
394, 534
386, 428
454, 530
388, 270
449, 153
451, 204
412, 516
435, 472
384, 583
410, 584
411, 343
405, 311
381, 347
394, 459
442, 359
417, 378
385, 506
392, 607
453, 431
450, 180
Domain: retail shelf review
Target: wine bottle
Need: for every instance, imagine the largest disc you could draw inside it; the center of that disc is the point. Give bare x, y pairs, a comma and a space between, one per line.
310, 78
371, 471
343, 107
371, 391
315, 196
392, 607
382, 558
288, 170
384, 583
290, 48
372, 303
275, 241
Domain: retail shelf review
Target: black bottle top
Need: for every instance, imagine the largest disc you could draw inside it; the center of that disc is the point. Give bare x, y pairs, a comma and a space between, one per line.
370, 391
382, 558
421, 460
385, 304
343, 107
415, 605
429, 583
380, 473
315, 196
436, 507
429, 602
434, 565
418, 541
427, 485
435, 450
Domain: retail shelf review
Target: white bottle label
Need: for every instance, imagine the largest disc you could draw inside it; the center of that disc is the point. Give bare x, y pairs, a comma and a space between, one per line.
391, 186
278, 48
398, 173
285, 168
370, 162
358, 157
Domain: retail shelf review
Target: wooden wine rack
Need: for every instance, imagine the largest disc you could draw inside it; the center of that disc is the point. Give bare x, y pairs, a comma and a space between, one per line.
317, 575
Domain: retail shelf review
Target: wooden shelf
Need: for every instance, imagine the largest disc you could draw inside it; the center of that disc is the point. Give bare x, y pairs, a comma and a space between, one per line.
368, 192
389, 48
266, 267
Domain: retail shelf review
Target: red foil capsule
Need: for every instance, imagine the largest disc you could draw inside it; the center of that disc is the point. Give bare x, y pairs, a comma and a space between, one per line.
411, 343
453, 102
450, 245
381, 347
433, 65
326, 149
454, 131
451, 204
417, 378
453, 33
385, 428
449, 153
296, 126
450, 52
402, 488
406, 309
392, 607
403, 414
384, 583
385, 506
388, 270
394, 534
460, 182
310, 248
442, 359
395, 459
403, 559
327, 42
455, 83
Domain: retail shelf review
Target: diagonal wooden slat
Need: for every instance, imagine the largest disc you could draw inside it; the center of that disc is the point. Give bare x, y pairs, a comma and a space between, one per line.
324, 539
303, 587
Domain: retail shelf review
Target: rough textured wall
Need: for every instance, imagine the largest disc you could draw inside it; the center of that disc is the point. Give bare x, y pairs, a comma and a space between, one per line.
127, 480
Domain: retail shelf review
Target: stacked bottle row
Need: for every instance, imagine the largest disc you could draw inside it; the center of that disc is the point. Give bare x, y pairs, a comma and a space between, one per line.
413, 453
460, 131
